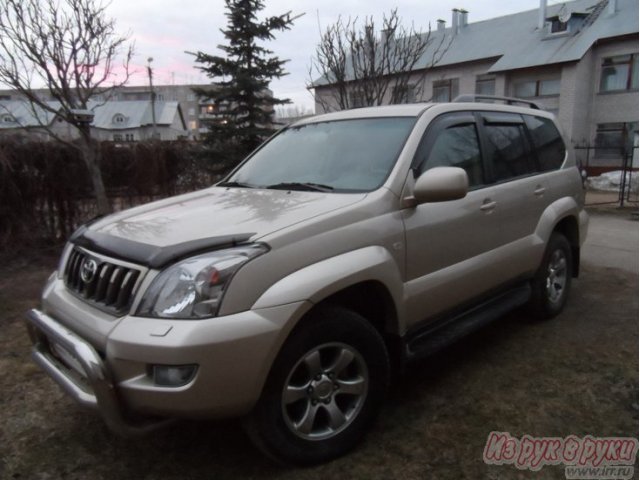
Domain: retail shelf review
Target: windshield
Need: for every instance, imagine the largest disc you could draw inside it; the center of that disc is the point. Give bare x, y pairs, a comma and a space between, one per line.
346, 155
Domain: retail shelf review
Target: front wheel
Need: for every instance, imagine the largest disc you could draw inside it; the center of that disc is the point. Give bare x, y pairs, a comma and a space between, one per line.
551, 285
323, 391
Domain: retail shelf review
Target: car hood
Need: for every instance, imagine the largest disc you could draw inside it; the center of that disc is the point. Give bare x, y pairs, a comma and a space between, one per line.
219, 212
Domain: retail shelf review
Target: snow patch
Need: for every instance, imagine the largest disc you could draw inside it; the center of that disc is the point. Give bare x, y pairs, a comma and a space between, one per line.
611, 181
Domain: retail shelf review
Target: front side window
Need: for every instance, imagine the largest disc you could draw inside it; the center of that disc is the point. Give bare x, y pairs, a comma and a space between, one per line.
452, 142
547, 141
619, 73
510, 155
343, 156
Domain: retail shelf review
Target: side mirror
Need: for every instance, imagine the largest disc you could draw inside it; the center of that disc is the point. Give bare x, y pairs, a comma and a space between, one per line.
441, 184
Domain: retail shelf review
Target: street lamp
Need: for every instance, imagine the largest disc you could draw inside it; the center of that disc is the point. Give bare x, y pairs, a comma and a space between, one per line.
154, 131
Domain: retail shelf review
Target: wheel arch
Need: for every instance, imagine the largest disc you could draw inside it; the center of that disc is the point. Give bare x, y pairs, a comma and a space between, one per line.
568, 227
563, 216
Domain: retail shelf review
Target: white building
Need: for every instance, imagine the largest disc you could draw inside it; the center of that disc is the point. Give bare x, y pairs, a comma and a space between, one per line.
118, 121
577, 59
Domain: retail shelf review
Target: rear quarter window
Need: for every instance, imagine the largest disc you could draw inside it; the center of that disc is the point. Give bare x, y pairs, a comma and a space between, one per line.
547, 141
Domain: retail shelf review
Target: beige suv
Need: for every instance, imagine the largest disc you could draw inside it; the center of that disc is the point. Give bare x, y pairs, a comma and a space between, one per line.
347, 243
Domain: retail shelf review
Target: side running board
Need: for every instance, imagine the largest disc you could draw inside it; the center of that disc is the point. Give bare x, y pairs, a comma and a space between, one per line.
436, 337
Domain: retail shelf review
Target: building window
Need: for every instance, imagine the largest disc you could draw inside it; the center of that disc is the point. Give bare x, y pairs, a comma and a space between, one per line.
613, 139
619, 73
403, 94
192, 111
118, 119
117, 137
6, 118
129, 137
445, 90
357, 99
193, 125
558, 26
537, 88
191, 97
485, 86
160, 97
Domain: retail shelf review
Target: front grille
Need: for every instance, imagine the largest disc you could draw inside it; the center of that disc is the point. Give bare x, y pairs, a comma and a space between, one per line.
110, 286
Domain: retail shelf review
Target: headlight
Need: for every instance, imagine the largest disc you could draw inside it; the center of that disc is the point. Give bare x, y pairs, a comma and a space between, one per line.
193, 288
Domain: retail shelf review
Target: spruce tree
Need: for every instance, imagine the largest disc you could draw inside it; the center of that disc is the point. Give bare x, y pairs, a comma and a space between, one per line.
242, 77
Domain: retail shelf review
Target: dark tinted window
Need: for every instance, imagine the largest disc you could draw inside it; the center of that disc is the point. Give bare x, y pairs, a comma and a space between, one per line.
509, 151
453, 146
547, 141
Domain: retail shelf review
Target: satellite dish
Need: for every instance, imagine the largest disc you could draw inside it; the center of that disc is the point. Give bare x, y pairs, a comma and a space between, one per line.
564, 14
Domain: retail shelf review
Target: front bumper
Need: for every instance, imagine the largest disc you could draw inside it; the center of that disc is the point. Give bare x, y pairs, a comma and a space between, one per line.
86, 378
233, 354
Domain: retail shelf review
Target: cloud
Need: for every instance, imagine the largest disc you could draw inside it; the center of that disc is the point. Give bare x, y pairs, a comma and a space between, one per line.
165, 29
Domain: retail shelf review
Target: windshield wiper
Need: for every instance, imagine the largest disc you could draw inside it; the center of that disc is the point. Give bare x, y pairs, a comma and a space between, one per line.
235, 184
308, 186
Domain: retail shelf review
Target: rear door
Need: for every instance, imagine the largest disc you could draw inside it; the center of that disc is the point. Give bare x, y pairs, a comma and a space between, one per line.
520, 190
449, 244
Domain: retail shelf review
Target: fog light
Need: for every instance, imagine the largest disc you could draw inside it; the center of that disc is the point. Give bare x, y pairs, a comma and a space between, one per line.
173, 375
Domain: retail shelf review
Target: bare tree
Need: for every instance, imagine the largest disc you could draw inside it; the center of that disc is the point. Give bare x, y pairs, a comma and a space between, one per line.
72, 48
360, 68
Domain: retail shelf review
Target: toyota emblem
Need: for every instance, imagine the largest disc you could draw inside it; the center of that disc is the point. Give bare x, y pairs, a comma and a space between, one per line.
88, 270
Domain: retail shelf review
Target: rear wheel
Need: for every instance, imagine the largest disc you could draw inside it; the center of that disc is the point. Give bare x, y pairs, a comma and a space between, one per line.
551, 285
323, 391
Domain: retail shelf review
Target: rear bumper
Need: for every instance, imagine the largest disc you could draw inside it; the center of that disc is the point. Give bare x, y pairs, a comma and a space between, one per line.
86, 378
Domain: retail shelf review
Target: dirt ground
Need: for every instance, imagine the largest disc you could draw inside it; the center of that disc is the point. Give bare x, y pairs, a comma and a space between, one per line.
576, 374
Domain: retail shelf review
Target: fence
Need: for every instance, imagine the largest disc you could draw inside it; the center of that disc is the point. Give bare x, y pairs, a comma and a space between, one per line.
45, 191
610, 169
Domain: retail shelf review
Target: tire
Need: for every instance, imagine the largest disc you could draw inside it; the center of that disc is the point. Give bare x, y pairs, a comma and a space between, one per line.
324, 389
551, 285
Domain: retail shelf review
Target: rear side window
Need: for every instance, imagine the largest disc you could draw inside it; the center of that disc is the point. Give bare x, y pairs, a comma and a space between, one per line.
547, 141
510, 154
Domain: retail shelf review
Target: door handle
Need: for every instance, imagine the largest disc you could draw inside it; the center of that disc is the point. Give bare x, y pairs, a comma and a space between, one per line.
488, 205
539, 190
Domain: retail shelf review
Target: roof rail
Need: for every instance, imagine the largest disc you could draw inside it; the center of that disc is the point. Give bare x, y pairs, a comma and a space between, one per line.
507, 100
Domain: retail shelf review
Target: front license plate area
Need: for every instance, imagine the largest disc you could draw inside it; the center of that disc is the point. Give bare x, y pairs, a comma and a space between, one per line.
63, 355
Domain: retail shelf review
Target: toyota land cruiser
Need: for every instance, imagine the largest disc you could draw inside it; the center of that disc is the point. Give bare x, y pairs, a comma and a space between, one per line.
347, 243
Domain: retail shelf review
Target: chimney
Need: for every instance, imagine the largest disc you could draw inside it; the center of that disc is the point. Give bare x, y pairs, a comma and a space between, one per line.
542, 14
463, 17
612, 7
454, 20
368, 31
386, 34
441, 25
